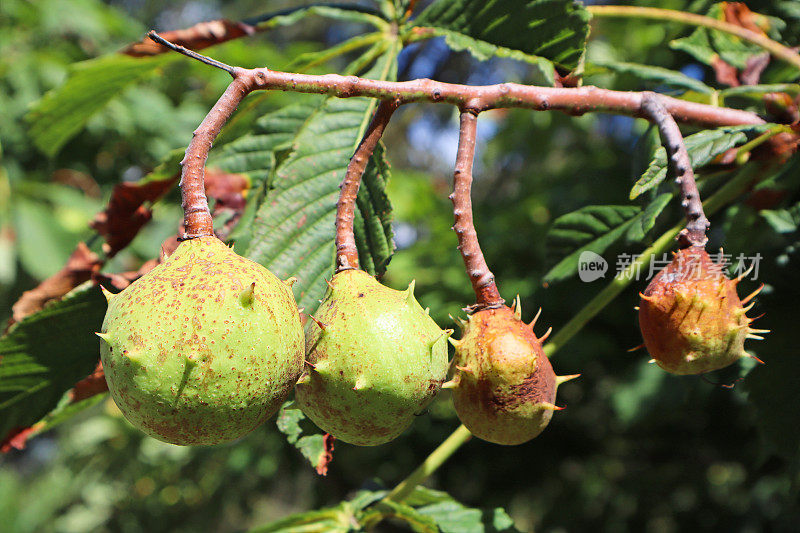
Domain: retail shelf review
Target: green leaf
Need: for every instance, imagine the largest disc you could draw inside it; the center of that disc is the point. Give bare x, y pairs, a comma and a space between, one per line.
311, 446
334, 520
758, 91
696, 45
341, 518
783, 220
592, 228
43, 245
293, 234
336, 11
66, 409
425, 510
647, 219
45, 354
656, 75
305, 61
452, 517
417, 521
253, 154
637, 396
702, 147
64, 111
552, 29
705, 44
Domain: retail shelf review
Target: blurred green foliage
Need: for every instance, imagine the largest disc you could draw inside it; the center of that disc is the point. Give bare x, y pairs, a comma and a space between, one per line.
636, 449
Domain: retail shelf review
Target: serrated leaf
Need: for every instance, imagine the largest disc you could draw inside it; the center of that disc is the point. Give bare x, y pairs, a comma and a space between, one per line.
592, 228
552, 29
45, 354
253, 154
64, 111
293, 234
702, 148
656, 75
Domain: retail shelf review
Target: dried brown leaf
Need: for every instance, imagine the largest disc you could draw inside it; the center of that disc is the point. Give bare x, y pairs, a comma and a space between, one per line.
125, 215
756, 64
726, 74
197, 37
327, 455
79, 268
17, 438
94, 383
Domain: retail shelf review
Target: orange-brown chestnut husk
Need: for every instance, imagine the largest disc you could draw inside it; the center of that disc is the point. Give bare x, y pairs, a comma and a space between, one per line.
691, 317
504, 387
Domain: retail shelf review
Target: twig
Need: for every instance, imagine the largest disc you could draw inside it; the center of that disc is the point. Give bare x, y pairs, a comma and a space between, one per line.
694, 234
773, 47
196, 215
482, 279
191, 53
437, 457
346, 250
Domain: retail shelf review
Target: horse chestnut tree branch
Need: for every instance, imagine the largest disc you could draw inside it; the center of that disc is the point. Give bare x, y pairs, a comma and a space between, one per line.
679, 161
478, 271
346, 251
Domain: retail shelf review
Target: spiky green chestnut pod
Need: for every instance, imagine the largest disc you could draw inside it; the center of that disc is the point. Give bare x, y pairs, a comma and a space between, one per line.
204, 347
375, 360
504, 387
691, 317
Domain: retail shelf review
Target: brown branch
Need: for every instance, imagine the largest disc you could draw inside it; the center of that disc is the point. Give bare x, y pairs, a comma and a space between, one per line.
197, 219
196, 215
482, 279
575, 101
346, 250
694, 234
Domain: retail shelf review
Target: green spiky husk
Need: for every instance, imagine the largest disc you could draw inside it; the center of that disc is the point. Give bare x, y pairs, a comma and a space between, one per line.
691, 317
378, 362
504, 386
204, 348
